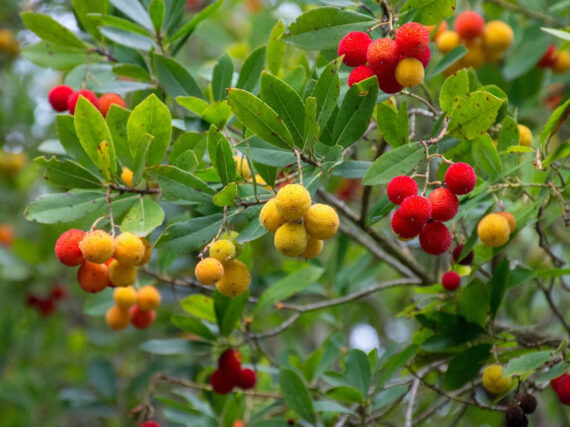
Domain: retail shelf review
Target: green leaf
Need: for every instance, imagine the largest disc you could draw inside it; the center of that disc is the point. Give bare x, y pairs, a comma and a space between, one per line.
143, 217
180, 186
117, 118
527, 364
474, 114
327, 92
345, 393
65, 207
156, 11
167, 347
395, 363
228, 310
296, 394
251, 69
430, 12
323, 27
130, 39
466, 366
49, 30
84, 7
311, 128
554, 123
331, 407
355, 111
226, 196
120, 24
67, 174
497, 285
193, 141
189, 27
388, 396
454, 89
379, 210
141, 158
561, 152
200, 306
399, 161
275, 47
354, 169
556, 371
189, 235
450, 330
564, 35
259, 118
473, 304
266, 154
393, 123
174, 78
221, 155
288, 286
192, 325
50, 55
450, 58
358, 370
509, 134
526, 53
150, 117
222, 77
135, 11
486, 157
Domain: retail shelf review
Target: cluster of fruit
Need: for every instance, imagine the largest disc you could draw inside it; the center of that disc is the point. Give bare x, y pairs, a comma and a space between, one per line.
495, 229
299, 226
397, 63
561, 386
418, 215
485, 42
46, 305
558, 62
64, 98
104, 261
516, 414
222, 269
134, 307
230, 374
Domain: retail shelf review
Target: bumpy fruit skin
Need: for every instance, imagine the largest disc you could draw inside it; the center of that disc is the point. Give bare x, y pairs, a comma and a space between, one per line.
562, 63
125, 297
475, 56
450, 280
409, 72
412, 38
498, 36
221, 382
93, 277
424, 57
525, 136
223, 250
435, 238
127, 176
514, 416
105, 102
509, 217
97, 246
242, 167
362, 72
147, 252
236, 279
246, 379
444, 204
561, 386
148, 298
460, 178
400, 187
141, 319
291, 239
230, 362
321, 221
494, 381
549, 57
528, 403
67, 248
293, 201
209, 271
122, 274
58, 97
129, 249
447, 41
494, 230
314, 248
467, 260
382, 54
270, 217
87, 94
117, 318
415, 210
387, 80
404, 230
469, 24
354, 47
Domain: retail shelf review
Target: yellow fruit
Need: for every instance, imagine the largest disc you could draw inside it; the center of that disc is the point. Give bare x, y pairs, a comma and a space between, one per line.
498, 36
561, 63
409, 72
494, 381
261, 182
291, 239
236, 279
293, 201
475, 57
447, 41
129, 249
148, 298
242, 167
510, 218
97, 246
125, 297
525, 136
494, 230
147, 252
270, 218
118, 318
223, 250
122, 274
314, 248
127, 176
8, 42
209, 271
321, 221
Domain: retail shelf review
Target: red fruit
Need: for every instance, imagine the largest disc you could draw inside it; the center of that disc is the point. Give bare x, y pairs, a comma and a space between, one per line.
561, 386
404, 229
141, 319
362, 72
460, 178
549, 57
400, 187
67, 247
230, 362
469, 25
58, 97
457, 253
57, 293
444, 204
382, 55
87, 94
435, 238
93, 277
354, 47
107, 100
246, 378
424, 57
387, 81
415, 210
45, 306
150, 424
221, 382
450, 280
412, 38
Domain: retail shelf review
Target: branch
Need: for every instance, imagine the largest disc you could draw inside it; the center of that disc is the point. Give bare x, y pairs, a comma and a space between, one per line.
410, 408
524, 11
122, 189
